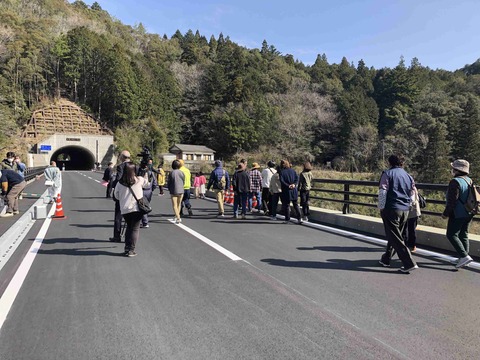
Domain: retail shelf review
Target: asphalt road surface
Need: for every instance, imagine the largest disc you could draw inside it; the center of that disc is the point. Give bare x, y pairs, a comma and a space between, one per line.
294, 293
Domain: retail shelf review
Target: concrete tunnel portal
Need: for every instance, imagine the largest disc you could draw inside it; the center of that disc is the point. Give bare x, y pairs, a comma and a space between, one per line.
74, 158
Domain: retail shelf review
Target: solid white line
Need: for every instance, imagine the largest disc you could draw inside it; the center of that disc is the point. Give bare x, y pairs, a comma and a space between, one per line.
209, 242
11, 292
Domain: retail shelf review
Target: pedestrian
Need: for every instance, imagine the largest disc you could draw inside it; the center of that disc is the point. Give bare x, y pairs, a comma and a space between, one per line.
107, 174
124, 158
9, 162
160, 179
128, 189
12, 186
289, 185
220, 181
196, 185
186, 186
241, 189
203, 183
21, 167
255, 187
176, 180
53, 181
395, 192
146, 170
458, 218
267, 174
304, 186
275, 192
409, 231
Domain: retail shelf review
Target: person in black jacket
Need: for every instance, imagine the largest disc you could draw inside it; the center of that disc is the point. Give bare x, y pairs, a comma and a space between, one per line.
107, 174
124, 158
12, 186
241, 188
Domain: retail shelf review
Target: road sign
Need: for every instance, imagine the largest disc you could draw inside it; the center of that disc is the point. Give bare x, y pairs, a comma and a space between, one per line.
45, 147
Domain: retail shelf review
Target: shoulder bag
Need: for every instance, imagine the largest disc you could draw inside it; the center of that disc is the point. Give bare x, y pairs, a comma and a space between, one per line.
143, 204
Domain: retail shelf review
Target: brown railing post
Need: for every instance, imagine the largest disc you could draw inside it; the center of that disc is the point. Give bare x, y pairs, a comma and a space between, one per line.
346, 198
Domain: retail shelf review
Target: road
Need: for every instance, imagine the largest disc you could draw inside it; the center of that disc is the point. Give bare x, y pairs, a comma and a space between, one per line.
295, 292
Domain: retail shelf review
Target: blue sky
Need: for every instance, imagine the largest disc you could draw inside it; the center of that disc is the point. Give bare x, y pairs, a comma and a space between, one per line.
440, 33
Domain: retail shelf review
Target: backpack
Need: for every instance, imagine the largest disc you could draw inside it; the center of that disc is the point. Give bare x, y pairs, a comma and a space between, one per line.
422, 202
222, 182
472, 204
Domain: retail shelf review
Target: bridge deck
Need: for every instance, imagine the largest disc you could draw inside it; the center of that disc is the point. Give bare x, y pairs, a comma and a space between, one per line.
296, 293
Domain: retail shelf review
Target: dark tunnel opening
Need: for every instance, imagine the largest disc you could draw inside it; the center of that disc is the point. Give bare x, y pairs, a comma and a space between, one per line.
74, 158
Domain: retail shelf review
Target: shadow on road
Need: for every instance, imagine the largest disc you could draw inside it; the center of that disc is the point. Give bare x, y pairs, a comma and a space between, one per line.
72, 241
88, 226
342, 248
334, 264
82, 252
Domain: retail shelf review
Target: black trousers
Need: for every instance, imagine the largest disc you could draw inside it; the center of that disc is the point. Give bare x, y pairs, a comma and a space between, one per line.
394, 221
117, 221
266, 199
133, 229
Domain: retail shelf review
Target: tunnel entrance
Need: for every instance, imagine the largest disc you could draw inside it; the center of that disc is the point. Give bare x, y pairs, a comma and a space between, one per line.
74, 158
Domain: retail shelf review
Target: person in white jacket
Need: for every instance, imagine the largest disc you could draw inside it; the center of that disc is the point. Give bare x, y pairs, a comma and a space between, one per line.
127, 186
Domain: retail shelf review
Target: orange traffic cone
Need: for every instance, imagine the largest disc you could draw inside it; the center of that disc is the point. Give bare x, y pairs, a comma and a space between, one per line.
229, 196
59, 209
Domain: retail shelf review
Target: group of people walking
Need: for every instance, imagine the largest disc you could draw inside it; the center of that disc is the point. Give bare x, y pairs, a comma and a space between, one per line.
398, 200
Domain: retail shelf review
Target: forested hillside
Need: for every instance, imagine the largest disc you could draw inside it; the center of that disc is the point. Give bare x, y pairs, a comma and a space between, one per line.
160, 89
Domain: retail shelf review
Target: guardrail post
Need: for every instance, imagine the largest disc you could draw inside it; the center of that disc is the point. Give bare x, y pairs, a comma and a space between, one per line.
346, 198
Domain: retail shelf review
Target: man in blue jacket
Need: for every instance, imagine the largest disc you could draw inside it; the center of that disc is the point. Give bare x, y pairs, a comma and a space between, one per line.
394, 198
220, 181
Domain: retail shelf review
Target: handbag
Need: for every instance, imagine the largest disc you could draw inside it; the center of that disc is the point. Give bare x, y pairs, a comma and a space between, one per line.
422, 201
49, 182
143, 204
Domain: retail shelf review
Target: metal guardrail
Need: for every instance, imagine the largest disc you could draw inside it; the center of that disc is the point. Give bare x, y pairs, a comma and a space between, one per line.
348, 194
32, 172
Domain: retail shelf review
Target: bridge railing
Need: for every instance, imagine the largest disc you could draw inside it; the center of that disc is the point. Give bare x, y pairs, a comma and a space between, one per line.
31, 172
368, 195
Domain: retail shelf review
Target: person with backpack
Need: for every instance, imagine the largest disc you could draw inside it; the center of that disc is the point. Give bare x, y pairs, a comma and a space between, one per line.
220, 181
459, 218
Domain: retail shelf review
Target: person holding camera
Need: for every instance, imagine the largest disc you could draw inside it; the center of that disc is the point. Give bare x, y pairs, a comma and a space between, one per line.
146, 170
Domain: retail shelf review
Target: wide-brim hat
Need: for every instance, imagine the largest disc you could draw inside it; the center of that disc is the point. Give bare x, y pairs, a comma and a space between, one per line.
255, 166
461, 165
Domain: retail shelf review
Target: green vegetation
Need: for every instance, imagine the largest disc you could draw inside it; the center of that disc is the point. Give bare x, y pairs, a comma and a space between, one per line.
153, 89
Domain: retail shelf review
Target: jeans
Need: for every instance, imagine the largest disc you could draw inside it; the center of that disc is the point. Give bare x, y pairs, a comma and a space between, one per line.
240, 198
457, 234
258, 195
186, 199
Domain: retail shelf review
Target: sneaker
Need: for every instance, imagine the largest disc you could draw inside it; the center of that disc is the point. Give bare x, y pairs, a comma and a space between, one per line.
235, 216
463, 261
8, 214
131, 253
244, 217
285, 222
274, 218
384, 264
413, 249
220, 216
178, 221
305, 219
16, 212
145, 226
299, 221
190, 212
406, 271
112, 239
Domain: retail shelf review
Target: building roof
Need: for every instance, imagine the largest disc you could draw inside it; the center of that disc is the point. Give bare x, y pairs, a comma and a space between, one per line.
191, 148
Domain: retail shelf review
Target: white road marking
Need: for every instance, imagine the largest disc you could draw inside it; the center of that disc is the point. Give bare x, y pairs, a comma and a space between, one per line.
209, 242
11, 292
